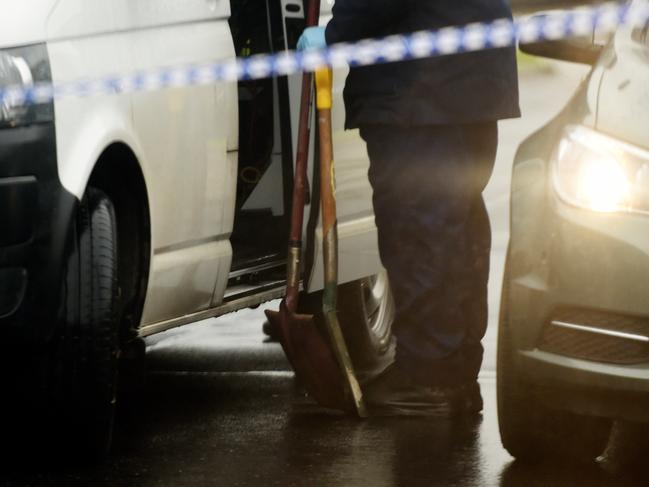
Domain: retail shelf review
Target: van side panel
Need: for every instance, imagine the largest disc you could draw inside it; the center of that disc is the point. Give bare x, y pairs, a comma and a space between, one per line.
185, 133
86, 125
23, 22
183, 137
84, 18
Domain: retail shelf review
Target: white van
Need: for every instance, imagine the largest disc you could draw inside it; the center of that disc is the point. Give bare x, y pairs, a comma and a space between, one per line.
126, 214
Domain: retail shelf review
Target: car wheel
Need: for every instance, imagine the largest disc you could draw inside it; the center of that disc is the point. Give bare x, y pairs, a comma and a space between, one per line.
80, 373
530, 431
366, 314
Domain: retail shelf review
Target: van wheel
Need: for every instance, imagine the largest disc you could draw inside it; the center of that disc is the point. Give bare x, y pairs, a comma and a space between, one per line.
530, 431
366, 313
81, 369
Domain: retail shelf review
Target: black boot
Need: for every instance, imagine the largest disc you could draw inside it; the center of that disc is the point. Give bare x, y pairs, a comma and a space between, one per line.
393, 393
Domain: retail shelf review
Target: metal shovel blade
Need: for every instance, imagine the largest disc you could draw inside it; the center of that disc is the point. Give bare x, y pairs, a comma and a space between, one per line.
311, 358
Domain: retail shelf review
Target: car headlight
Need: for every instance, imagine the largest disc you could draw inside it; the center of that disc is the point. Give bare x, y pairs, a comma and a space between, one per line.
23, 69
600, 173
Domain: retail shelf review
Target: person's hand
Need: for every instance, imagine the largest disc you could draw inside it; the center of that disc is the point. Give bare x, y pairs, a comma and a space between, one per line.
312, 38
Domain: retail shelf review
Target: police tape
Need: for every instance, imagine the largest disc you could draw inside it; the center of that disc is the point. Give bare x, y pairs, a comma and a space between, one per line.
553, 25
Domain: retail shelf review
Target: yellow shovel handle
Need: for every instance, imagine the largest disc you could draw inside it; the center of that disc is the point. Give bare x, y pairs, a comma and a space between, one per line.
324, 86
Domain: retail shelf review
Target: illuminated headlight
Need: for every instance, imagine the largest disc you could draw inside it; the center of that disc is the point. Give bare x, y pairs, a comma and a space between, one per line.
600, 173
23, 70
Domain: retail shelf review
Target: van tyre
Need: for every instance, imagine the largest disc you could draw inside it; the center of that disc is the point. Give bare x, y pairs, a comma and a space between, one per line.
366, 314
530, 431
81, 374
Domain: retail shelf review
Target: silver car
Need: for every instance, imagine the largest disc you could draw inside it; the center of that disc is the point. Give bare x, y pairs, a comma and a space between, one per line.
574, 329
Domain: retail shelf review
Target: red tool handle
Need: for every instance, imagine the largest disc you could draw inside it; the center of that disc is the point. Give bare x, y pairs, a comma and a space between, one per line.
299, 186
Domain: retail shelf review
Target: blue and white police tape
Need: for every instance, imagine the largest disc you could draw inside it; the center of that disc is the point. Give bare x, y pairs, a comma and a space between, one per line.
553, 25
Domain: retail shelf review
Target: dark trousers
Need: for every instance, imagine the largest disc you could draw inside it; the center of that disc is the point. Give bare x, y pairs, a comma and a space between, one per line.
434, 241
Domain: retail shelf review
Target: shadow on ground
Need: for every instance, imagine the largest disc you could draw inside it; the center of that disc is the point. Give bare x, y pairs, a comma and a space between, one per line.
259, 429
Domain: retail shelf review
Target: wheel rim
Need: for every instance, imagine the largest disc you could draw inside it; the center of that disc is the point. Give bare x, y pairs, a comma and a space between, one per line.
378, 307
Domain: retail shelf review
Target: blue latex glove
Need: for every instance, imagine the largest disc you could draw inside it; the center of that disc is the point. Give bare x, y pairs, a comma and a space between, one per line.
312, 38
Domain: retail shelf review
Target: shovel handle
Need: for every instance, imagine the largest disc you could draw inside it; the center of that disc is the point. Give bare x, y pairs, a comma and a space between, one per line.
324, 83
324, 88
323, 80
294, 261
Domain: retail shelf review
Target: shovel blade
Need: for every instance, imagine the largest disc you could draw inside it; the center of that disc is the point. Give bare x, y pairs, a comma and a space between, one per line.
311, 357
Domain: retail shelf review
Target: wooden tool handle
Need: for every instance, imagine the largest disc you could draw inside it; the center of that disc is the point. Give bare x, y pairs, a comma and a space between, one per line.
323, 79
330, 236
294, 262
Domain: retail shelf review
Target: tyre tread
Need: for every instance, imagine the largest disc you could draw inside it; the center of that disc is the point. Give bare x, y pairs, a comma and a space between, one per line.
82, 366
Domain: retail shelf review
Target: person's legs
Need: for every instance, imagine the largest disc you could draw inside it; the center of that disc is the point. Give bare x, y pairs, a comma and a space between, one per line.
434, 240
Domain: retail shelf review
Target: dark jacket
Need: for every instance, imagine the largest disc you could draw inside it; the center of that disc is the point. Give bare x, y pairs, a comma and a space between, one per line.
466, 88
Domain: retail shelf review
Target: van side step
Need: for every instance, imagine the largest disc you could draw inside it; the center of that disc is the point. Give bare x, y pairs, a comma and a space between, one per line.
235, 303
262, 275
246, 290
258, 266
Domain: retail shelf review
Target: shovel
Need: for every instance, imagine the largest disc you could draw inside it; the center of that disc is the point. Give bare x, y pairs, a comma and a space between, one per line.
323, 79
310, 355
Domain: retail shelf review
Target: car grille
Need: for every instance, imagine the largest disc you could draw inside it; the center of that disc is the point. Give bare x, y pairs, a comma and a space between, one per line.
597, 336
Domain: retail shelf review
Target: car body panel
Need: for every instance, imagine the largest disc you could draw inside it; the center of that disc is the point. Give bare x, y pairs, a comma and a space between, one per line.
586, 387
189, 177
87, 18
190, 174
531, 220
24, 22
35, 235
626, 84
565, 257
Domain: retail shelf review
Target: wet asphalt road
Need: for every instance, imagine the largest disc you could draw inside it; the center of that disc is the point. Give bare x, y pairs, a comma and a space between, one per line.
222, 408
240, 420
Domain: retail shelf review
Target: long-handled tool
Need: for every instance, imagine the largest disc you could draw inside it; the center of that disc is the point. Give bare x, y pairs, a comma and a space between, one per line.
330, 238
308, 352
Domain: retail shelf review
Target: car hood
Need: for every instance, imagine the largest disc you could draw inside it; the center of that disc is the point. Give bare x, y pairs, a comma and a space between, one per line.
24, 21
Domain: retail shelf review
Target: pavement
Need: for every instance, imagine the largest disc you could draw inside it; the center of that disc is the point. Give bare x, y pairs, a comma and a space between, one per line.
221, 406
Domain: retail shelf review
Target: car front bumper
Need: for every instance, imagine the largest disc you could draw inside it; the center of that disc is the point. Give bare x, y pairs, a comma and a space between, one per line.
571, 267
35, 222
